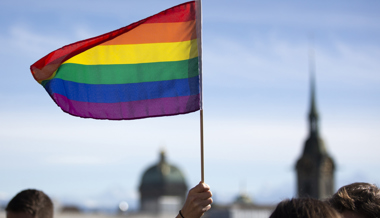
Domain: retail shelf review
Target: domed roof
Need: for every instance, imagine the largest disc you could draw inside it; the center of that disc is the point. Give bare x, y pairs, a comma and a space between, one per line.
243, 199
162, 173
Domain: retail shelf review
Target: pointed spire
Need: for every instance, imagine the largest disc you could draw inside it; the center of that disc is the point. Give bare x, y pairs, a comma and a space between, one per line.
315, 168
313, 114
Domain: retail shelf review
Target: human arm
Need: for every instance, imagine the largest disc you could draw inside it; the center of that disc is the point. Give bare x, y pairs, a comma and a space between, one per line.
198, 201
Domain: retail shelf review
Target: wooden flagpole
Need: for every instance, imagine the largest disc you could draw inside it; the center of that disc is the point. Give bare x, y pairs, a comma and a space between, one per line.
199, 37
202, 148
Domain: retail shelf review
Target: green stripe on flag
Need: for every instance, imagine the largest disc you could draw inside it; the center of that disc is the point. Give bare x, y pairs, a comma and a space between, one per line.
128, 73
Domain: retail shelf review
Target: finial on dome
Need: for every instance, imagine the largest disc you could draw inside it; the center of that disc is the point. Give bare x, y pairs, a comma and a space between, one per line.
162, 156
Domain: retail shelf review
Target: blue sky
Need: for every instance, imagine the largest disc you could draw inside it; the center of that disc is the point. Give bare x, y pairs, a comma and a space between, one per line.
256, 100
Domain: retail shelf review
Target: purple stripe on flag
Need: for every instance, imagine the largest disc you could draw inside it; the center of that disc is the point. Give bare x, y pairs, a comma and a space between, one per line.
129, 110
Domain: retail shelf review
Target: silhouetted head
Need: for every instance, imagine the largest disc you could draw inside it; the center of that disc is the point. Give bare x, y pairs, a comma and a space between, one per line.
357, 200
305, 208
30, 203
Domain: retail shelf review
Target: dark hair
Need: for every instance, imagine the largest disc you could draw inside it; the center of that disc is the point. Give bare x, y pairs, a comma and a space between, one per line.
361, 198
31, 201
305, 208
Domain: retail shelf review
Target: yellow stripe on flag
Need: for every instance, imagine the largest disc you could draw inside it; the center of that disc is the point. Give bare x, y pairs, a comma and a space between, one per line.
137, 53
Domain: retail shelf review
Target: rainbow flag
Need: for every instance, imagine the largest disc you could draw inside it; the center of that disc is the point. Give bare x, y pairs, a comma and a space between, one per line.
147, 69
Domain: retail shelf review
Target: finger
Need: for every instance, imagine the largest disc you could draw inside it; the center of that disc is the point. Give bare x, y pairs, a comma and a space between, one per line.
206, 202
201, 187
204, 195
208, 207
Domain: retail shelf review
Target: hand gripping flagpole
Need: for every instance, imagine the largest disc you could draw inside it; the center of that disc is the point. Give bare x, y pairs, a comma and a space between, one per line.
199, 37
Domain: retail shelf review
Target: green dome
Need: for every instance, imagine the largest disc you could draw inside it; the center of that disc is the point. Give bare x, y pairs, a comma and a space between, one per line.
162, 173
243, 199
161, 180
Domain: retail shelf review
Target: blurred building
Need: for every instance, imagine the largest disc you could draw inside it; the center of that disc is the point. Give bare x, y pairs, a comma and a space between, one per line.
163, 188
315, 168
242, 207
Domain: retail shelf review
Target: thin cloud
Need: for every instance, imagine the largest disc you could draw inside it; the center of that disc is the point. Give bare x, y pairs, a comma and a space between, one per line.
276, 60
21, 40
306, 14
78, 160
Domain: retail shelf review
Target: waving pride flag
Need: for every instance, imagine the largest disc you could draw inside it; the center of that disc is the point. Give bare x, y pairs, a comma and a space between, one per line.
149, 68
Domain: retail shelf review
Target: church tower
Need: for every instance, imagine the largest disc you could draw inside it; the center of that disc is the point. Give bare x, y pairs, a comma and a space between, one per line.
315, 168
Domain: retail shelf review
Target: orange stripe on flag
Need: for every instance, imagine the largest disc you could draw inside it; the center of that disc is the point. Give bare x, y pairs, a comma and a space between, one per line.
157, 33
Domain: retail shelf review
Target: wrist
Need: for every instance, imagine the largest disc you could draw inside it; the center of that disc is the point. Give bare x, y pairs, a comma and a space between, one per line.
180, 214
